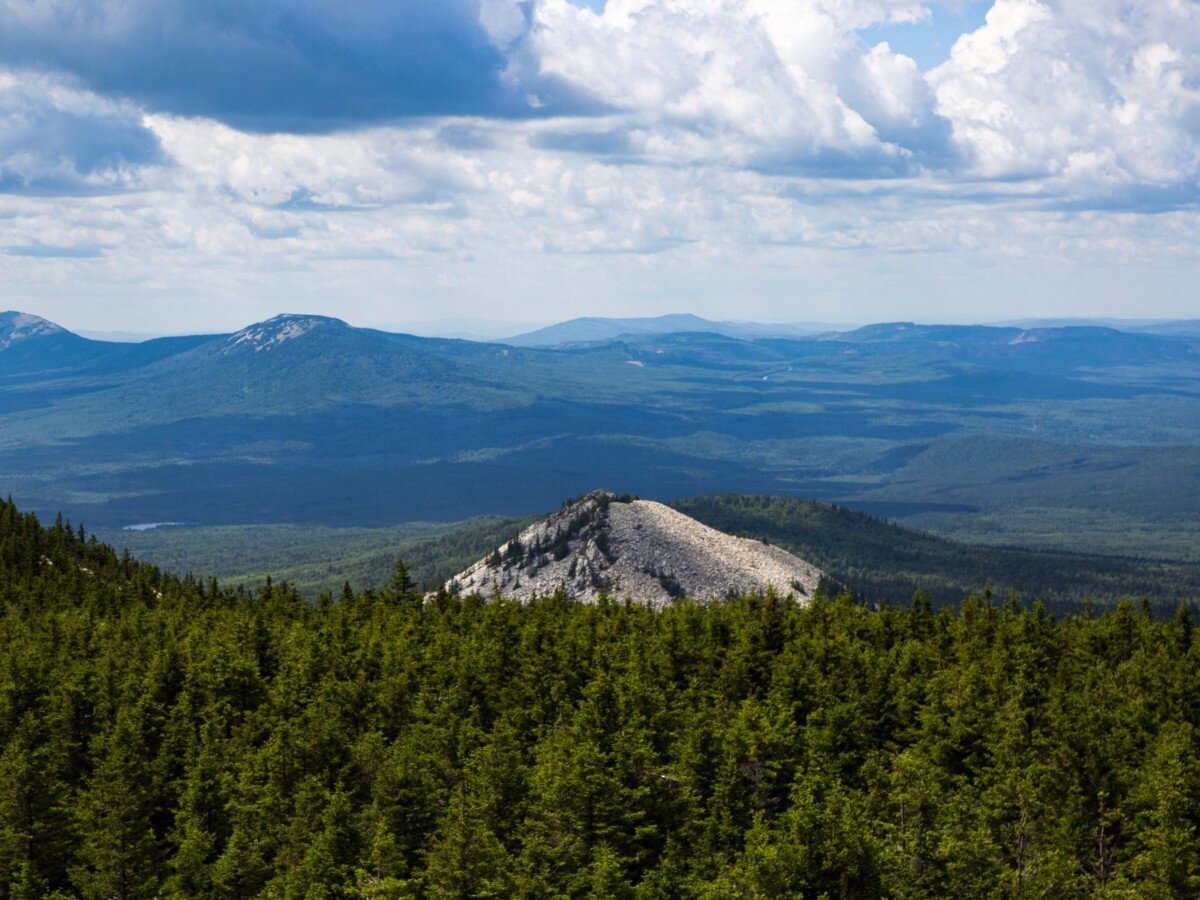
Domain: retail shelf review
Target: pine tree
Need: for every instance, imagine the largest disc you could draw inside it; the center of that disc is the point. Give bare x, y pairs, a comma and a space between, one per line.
35, 832
1165, 858
118, 852
403, 589
466, 858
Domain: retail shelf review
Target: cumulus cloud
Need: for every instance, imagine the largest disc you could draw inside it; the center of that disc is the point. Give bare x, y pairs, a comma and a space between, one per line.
1098, 96
490, 146
56, 139
1102, 97
271, 65
346, 171
771, 84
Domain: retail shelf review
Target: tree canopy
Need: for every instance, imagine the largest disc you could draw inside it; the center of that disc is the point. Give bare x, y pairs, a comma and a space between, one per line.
168, 737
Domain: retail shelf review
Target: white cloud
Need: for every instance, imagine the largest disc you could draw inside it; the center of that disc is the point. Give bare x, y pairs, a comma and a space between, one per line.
370, 168
746, 151
56, 138
758, 83
1097, 95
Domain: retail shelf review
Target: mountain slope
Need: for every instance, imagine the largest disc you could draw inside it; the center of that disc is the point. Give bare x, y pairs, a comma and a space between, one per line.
876, 560
34, 350
298, 362
884, 562
17, 326
31, 344
634, 549
306, 419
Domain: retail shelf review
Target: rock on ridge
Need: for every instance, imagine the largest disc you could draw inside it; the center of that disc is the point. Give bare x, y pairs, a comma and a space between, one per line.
277, 331
635, 549
18, 326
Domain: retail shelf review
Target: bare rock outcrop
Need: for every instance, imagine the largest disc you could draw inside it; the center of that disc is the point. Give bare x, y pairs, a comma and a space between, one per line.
634, 549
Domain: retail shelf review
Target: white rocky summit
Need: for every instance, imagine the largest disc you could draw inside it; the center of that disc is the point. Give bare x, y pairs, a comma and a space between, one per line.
635, 549
17, 326
277, 331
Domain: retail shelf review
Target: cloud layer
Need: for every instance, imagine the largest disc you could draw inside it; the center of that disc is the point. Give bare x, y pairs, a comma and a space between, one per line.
57, 140
1100, 95
751, 83
222, 144
292, 65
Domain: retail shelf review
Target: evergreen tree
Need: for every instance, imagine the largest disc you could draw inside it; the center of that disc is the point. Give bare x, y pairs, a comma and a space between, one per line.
162, 736
119, 854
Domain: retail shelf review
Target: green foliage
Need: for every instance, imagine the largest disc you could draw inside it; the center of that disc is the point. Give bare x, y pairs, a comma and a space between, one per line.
162, 736
314, 558
883, 562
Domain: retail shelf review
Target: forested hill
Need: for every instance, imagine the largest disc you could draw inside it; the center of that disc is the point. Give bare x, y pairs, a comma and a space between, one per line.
884, 562
60, 565
163, 737
1081, 439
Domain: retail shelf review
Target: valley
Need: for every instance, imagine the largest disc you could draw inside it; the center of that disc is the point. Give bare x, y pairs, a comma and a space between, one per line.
879, 561
1082, 439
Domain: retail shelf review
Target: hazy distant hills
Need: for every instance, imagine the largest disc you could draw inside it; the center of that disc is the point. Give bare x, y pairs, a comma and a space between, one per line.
1058, 348
598, 329
1069, 436
1167, 327
592, 329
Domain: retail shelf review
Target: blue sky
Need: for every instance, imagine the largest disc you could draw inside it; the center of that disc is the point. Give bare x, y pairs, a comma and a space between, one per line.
198, 164
929, 40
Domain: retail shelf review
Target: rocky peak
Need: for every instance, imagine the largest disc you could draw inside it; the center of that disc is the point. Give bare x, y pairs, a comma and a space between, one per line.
637, 549
275, 332
19, 326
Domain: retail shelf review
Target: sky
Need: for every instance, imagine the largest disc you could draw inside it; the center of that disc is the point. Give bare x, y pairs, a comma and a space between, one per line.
195, 165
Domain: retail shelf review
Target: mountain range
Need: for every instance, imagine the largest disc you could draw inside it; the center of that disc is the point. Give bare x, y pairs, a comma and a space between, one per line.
594, 329
1066, 437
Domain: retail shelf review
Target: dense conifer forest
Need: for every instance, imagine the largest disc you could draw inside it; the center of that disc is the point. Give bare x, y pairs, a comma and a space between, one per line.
167, 737
881, 561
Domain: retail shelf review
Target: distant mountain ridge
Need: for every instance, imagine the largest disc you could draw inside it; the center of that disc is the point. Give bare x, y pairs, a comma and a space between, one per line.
976, 432
594, 329
634, 549
52, 346
1165, 327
